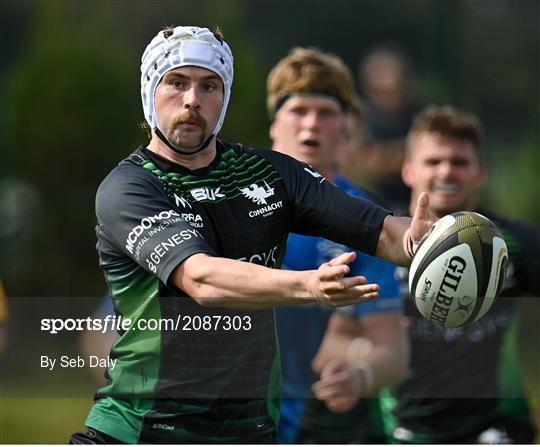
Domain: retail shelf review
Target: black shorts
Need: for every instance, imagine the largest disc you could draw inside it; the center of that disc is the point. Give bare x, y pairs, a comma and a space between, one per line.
92, 436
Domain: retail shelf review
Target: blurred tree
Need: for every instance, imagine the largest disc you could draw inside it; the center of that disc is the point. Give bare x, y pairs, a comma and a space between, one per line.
513, 181
499, 76
73, 107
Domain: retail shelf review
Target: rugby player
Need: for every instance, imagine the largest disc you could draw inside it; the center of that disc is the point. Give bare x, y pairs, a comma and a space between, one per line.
309, 96
191, 231
455, 392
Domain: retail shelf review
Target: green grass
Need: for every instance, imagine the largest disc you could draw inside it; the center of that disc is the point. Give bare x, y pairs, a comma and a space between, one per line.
25, 420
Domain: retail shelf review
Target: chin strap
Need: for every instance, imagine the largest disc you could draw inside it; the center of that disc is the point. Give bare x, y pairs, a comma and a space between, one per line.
203, 146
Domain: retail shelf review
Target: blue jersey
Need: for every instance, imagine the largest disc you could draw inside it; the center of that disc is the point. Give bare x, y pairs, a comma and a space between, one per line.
302, 328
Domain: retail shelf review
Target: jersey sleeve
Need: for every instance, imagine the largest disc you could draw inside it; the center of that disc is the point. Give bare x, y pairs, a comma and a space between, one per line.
322, 209
136, 217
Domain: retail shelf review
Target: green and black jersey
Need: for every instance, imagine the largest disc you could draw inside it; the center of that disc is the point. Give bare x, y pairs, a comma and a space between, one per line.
454, 389
202, 374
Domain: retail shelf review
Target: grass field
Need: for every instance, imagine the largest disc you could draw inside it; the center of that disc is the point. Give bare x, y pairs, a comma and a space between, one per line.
50, 420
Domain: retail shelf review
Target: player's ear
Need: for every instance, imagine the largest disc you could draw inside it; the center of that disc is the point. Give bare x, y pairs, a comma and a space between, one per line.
481, 176
344, 131
272, 131
406, 173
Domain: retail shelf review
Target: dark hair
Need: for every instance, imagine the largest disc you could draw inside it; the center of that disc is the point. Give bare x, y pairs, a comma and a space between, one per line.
449, 123
168, 31
389, 51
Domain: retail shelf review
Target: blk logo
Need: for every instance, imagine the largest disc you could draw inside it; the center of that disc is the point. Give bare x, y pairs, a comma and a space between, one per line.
201, 194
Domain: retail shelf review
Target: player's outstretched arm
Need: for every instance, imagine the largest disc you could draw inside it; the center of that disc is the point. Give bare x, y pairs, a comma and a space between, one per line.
400, 236
221, 282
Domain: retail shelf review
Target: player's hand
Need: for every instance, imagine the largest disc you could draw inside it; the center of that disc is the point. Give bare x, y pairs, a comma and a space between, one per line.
329, 285
340, 386
422, 221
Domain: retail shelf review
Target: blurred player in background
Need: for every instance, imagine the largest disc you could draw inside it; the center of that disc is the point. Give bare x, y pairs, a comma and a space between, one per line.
464, 383
309, 95
385, 78
191, 226
350, 153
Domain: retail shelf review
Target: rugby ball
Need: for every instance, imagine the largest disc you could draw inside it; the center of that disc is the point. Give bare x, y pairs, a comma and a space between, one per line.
458, 269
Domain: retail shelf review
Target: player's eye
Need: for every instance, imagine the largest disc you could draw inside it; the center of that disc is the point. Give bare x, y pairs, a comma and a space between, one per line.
298, 111
328, 113
209, 87
460, 163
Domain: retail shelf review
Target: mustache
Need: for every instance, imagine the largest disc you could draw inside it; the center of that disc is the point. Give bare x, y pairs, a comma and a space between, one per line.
191, 116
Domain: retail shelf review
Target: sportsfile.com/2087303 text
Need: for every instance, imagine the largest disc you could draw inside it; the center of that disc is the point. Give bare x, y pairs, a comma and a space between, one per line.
180, 323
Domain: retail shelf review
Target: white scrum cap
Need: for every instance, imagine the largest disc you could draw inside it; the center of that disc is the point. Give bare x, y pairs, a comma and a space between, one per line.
187, 45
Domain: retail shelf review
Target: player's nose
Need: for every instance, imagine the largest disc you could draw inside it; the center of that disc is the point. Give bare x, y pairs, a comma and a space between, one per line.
192, 98
445, 170
311, 120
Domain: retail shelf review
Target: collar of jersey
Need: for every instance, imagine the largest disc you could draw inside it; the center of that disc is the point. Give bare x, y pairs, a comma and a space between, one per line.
169, 166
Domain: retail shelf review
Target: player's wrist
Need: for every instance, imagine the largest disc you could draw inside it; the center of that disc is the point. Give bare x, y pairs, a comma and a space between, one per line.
357, 351
307, 289
409, 246
365, 374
